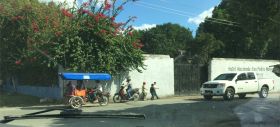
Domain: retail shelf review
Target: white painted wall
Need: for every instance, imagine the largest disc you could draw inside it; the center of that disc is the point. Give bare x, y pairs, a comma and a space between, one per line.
159, 68
260, 66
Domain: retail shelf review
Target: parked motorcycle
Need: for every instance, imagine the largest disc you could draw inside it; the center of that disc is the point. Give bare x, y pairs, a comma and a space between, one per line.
93, 95
121, 97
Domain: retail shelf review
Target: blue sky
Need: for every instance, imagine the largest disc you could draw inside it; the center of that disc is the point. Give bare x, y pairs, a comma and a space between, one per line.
149, 13
187, 13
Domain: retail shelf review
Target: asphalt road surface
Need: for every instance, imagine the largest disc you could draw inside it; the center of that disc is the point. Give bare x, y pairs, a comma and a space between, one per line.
188, 111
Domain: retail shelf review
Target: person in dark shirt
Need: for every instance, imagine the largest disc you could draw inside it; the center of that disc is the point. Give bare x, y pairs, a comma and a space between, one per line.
129, 88
70, 88
153, 91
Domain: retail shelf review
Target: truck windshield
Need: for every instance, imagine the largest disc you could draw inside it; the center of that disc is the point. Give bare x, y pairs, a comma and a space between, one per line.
228, 76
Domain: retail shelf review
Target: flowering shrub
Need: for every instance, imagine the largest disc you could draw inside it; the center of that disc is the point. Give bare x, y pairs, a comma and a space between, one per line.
81, 39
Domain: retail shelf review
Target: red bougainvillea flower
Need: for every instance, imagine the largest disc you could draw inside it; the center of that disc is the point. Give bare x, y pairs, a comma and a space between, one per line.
85, 11
96, 18
47, 20
1, 8
103, 31
130, 33
85, 4
35, 26
58, 33
66, 13
89, 25
112, 19
15, 18
117, 25
91, 14
134, 44
141, 45
107, 6
18, 62
101, 15
137, 44
120, 8
55, 24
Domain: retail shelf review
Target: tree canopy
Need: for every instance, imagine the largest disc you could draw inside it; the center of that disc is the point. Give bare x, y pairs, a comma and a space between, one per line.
166, 39
247, 29
81, 39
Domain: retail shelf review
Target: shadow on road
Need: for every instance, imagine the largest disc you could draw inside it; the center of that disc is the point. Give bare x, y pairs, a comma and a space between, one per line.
57, 107
218, 99
190, 114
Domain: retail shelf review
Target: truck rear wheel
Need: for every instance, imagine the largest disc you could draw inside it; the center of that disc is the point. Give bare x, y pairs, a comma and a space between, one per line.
242, 95
229, 94
264, 92
207, 97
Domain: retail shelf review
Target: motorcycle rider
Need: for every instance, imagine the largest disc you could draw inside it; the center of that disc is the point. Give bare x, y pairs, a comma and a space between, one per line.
121, 92
129, 87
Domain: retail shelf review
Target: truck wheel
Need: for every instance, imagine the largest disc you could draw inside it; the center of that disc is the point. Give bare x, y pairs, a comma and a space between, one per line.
242, 95
229, 94
207, 97
264, 92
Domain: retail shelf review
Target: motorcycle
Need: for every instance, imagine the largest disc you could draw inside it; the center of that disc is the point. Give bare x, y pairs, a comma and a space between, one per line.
121, 97
101, 97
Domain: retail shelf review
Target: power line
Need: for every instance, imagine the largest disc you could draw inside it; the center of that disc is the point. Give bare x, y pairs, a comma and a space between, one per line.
171, 9
187, 13
182, 13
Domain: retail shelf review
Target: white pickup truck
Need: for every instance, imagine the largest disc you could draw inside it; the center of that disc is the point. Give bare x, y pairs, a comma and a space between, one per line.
240, 83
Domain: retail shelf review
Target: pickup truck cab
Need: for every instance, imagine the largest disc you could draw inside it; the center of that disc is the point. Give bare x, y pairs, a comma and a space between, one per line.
240, 83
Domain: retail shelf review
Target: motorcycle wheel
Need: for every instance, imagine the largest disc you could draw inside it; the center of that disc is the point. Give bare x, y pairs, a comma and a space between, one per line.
103, 100
117, 98
136, 97
76, 102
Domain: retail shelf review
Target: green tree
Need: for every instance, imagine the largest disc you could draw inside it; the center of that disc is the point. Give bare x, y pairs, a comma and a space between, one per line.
248, 29
166, 39
83, 39
203, 47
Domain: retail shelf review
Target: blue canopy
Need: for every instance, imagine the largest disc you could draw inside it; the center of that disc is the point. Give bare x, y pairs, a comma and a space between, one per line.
85, 76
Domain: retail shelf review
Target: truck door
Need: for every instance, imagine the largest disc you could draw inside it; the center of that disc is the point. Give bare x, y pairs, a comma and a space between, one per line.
252, 85
241, 83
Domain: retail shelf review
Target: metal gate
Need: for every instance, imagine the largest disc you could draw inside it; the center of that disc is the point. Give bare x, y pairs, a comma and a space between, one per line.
188, 78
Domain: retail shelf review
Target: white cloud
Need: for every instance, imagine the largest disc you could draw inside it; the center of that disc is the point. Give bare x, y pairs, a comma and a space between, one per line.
144, 26
200, 18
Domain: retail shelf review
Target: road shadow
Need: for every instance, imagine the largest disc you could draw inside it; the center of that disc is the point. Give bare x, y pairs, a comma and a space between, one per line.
189, 114
219, 99
57, 107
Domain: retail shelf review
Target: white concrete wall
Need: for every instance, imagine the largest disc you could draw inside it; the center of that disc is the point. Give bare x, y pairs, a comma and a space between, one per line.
261, 67
159, 68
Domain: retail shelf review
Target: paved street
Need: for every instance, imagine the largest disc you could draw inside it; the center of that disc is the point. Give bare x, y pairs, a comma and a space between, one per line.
186, 111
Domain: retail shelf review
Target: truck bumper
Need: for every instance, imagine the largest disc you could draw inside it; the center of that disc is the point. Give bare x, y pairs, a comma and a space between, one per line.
213, 92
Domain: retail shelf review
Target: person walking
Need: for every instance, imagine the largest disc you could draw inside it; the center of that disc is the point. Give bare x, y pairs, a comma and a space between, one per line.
153, 91
144, 93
